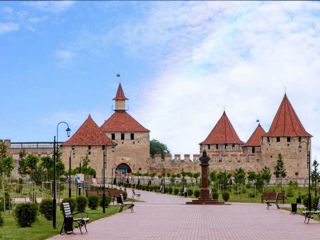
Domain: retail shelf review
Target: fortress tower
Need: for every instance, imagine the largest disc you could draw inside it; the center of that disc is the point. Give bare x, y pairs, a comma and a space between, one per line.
287, 137
132, 153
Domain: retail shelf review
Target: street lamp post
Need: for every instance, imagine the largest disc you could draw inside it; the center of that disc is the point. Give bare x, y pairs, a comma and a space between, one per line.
104, 179
55, 156
72, 151
309, 172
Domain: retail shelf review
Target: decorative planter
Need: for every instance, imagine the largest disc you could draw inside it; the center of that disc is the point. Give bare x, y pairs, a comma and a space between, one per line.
293, 208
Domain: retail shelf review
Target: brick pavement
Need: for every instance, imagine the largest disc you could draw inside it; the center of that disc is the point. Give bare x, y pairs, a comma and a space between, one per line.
164, 217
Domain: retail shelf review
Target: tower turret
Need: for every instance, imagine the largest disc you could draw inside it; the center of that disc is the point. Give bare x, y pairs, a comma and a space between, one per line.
120, 100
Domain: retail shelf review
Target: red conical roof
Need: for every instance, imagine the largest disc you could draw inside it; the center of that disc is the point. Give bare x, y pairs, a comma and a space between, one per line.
286, 122
122, 122
120, 94
255, 139
223, 133
89, 134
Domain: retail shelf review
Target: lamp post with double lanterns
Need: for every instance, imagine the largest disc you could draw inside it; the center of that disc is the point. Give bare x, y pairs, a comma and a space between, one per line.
55, 157
309, 171
71, 153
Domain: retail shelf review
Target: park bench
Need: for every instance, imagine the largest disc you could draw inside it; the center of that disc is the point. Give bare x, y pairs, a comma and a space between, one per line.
69, 220
308, 214
134, 194
273, 198
120, 201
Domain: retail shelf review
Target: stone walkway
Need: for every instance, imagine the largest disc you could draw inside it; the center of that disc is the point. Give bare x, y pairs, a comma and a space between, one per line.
164, 217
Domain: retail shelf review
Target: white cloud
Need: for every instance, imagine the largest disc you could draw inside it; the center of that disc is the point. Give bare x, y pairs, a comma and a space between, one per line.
51, 6
6, 10
64, 56
8, 27
217, 56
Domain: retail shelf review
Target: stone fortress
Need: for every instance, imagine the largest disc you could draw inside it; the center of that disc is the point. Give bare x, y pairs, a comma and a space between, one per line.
125, 144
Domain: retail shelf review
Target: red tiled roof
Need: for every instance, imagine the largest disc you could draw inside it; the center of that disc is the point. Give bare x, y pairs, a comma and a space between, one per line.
223, 133
286, 122
89, 134
255, 139
122, 122
120, 94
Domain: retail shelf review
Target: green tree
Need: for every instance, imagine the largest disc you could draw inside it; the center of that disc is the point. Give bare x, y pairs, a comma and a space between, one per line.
31, 163
252, 176
196, 175
213, 176
22, 162
85, 168
315, 173
157, 147
279, 170
265, 174
239, 176
6, 162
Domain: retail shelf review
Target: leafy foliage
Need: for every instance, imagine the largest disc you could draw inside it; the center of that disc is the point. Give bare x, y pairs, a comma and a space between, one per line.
1, 220
239, 176
93, 202
225, 196
46, 208
157, 147
26, 214
82, 203
108, 201
6, 162
279, 170
72, 203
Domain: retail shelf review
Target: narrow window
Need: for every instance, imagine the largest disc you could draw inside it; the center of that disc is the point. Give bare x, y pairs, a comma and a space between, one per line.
253, 149
288, 139
113, 136
278, 139
233, 147
299, 139
226, 146
268, 139
132, 136
217, 146
209, 146
122, 136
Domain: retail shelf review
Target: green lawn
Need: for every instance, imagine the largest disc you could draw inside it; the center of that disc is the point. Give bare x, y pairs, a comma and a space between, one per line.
42, 228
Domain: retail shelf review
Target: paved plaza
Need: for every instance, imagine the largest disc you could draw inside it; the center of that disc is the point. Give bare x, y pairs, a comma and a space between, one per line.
165, 217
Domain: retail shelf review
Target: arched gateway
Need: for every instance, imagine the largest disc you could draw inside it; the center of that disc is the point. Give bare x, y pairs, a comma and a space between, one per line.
123, 169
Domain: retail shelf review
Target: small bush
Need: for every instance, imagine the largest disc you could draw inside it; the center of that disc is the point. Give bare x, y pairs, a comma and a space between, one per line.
82, 203
166, 190
197, 193
108, 201
190, 192
151, 188
252, 195
125, 195
215, 195
225, 196
26, 214
176, 191
1, 220
72, 203
46, 208
290, 192
93, 202
170, 190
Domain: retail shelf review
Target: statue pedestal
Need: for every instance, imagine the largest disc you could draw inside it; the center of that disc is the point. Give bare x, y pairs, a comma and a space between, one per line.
204, 191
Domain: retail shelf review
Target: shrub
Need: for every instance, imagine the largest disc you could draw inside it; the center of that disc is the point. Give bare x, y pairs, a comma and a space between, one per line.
108, 201
176, 191
290, 192
170, 190
125, 195
190, 192
166, 190
215, 195
82, 203
225, 196
46, 208
26, 214
197, 193
252, 195
8, 202
151, 188
93, 202
72, 203
1, 220
314, 202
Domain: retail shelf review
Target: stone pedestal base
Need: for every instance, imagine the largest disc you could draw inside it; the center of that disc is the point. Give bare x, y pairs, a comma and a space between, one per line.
205, 201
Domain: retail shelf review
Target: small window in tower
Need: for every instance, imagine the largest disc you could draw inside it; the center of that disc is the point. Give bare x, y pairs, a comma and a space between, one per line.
113, 136
253, 149
89, 147
278, 139
132, 136
268, 139
226, 146
217, 146
209, 146
122, 136
288, 139
299, 139
233, 146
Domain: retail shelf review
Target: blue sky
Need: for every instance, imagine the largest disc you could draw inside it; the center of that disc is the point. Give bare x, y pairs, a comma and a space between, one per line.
181, 65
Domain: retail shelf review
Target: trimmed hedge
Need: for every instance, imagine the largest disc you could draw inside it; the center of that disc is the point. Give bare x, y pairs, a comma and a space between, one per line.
46, 208
26, 214
93, 201
190, 192
1, 220
108, 201
82, 203
225, 196
176, 191
197, 193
